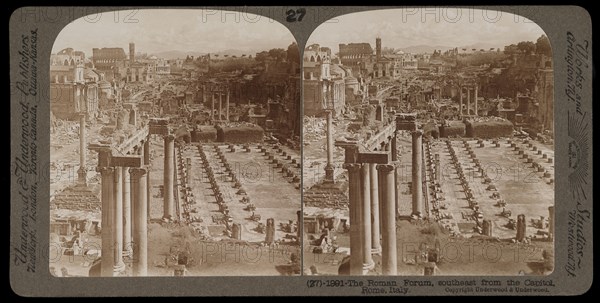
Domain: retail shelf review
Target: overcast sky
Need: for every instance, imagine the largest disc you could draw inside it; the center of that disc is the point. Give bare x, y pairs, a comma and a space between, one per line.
451, 27
173, 29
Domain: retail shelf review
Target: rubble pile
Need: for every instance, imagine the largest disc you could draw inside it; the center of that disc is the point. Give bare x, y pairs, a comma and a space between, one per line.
76, 198
314, 128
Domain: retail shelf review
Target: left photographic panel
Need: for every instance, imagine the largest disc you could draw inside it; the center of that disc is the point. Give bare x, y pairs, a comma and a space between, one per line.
174, 145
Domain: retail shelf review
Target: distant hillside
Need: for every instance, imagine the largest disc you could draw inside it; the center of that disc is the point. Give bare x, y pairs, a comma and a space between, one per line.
177, 54
419, 49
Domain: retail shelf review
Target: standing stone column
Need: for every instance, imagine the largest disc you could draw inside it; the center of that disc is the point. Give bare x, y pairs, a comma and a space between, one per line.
126, 211
227, 106
140, 223
375, 234
299, 233
476, 112
388, 220
460, 112
365, 218
329, 177
437, 168
394, 148
521, 228
169, 171
107, 175
468, 100
354, 195
417, 173
220, 104
270, 231
82, 172
147, 166
212, 112
551, 222
118, 219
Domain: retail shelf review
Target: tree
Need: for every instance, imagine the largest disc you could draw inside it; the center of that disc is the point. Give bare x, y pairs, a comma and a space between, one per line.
262, 56
542, 46
526, 47
293, 53
278, 54
511, 49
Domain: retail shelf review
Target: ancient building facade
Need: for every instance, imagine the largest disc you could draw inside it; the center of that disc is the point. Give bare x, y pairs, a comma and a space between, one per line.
354, 53
110, 61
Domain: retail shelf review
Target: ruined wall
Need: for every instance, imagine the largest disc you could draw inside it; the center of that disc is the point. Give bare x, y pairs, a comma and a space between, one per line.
240, 134
453, 129
489, 129
204, 134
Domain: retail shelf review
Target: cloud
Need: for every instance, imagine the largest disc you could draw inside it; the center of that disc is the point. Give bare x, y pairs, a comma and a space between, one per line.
157, 30
431, 26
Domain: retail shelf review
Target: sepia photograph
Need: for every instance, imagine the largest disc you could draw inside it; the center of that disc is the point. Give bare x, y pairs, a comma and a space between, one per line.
428, 145
175, 145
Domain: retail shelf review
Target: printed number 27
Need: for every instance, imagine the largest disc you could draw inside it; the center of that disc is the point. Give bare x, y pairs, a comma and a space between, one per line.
291, 15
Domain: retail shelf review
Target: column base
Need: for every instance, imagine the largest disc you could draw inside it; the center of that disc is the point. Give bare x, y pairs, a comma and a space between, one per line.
118, 268
82, 176
328, 175
127, 253
416, 215
368, 266
376, 251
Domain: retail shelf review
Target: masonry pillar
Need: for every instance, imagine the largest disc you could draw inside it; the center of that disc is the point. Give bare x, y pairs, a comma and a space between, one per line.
375, 234
118, 219
389, 254
365, 220
417, 173
107, 182
82, 172
551, 222
329, 177
126, 211
169, 171
140, 223
354, 195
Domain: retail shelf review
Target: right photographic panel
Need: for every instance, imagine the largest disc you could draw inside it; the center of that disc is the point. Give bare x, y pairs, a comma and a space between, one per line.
428, 145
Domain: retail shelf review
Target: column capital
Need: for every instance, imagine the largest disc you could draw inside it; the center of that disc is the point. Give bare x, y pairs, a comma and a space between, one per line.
352, 167
417, 133
169, 137
105, 169
385, 167
137, 172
